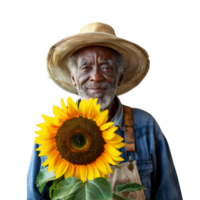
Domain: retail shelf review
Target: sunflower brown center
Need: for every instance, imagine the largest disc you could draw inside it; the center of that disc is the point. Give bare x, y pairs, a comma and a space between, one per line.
80, 141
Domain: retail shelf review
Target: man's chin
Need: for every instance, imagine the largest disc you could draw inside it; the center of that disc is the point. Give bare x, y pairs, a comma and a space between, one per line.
95, 95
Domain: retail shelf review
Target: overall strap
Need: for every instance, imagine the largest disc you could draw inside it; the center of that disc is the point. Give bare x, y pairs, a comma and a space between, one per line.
129, 133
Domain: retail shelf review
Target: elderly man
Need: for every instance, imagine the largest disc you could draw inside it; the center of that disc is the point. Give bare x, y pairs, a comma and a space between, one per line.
97, 76
97, 64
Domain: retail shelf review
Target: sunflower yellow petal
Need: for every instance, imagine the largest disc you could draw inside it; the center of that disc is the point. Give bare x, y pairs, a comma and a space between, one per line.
61, 168
115, 139
106, 126
118, 145
107, 135
59, 113
102, 118
50, 167
73, 166
43, 134
102, 174
94, 102
45, 130
70, 171
109, 170
116, 159
52, 158
43, 153
46, 153
66, 167
39, 140
39, 124
100, 165
49, 119
89, 108
92, 110
112, 129
95, 170
56, 112
52, 120
59, 171
64, 107
47, 147
72, 108
90, 172
77, 171
112, 150
97, 112
54, 129
45, 143
46, 162
108, 158
57, 122
45, 117
83, 172
46, 139
82, 108
57, 164
106, 176
53, 153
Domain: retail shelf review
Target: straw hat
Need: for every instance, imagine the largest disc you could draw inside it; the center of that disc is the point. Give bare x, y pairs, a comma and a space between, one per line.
97, 34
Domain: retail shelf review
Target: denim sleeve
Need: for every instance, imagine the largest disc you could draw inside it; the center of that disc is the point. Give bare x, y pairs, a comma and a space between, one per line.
34, 168
165, 180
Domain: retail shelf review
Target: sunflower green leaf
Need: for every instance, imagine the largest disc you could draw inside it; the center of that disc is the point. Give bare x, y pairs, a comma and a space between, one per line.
43, 177
118, 197
131, 187
53, 186
74, 189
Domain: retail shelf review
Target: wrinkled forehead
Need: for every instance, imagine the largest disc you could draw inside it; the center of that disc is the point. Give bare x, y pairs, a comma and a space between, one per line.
97, 52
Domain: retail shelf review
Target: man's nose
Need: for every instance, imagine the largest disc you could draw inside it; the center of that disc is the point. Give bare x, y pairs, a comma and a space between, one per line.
96, 75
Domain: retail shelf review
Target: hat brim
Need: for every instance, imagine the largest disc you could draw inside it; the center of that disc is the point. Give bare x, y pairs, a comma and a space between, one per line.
136, 58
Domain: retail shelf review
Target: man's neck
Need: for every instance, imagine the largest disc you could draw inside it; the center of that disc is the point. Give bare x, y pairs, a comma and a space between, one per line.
112, 108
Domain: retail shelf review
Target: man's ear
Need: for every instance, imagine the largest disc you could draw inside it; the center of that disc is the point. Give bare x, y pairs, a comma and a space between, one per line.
73, 81
120, 79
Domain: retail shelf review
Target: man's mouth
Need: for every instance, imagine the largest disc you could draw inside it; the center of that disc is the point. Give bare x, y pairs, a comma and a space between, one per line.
95, 90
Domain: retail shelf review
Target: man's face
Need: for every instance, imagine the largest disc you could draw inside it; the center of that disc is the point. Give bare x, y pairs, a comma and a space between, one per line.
97, 74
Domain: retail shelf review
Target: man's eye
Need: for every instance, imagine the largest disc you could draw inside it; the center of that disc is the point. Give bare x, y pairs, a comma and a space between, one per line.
85, 67
103, 68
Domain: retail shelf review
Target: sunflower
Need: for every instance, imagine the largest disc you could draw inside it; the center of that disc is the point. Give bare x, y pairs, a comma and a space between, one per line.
78, 142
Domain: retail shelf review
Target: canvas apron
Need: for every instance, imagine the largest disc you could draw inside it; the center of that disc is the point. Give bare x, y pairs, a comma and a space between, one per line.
127, 172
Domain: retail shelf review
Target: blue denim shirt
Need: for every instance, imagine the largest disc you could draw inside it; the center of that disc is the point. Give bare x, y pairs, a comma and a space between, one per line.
153, 157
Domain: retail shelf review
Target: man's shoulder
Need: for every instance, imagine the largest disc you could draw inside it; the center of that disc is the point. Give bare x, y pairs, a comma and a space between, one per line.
141, 112
142, 116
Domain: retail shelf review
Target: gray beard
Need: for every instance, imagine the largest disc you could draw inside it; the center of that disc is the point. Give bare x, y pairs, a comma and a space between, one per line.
104, 101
